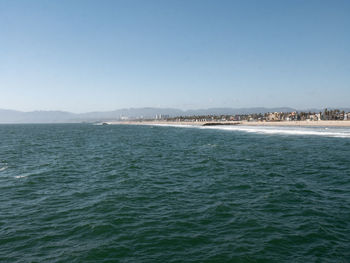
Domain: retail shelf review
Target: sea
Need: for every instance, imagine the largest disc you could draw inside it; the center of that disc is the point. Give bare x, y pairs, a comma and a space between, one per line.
157, 193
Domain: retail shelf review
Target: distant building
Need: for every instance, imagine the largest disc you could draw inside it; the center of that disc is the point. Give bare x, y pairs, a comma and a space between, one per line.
273, 116
314, 117
162, 116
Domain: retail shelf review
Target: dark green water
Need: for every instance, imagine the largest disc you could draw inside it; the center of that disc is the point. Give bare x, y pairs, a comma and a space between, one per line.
84, 193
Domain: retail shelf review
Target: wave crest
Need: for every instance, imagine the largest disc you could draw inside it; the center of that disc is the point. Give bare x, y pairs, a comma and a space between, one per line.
301, 131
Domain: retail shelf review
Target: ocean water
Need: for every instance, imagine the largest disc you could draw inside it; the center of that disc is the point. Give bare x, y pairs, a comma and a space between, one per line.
85, 193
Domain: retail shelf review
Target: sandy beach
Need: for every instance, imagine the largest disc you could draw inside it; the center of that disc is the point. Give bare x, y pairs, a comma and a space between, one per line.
245, 123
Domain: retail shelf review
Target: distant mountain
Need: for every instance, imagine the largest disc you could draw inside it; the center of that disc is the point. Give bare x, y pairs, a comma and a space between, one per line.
8, 116
12, 116
233, 111
152, 112
130, 113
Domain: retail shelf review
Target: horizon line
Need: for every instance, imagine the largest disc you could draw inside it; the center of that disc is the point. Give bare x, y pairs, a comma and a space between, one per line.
174, 108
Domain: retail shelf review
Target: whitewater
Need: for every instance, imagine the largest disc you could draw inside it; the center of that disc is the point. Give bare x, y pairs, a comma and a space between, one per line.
274, 130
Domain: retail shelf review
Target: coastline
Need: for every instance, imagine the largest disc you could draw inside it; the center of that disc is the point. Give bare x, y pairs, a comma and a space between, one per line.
240, 123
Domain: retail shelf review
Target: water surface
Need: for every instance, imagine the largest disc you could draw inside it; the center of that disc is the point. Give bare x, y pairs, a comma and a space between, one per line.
85, 193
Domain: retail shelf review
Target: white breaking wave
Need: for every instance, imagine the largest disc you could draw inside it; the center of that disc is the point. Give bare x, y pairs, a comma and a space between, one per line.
20, 176
3, 166
174, 125
313, 131
274, 130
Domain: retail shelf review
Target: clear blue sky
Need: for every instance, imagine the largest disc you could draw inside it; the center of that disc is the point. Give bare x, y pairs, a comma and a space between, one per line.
103, 55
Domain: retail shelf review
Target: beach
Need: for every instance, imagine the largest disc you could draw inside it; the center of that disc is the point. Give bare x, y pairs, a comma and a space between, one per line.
245, 123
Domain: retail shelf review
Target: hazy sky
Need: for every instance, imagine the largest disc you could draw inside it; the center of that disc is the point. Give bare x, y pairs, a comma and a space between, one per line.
103, 55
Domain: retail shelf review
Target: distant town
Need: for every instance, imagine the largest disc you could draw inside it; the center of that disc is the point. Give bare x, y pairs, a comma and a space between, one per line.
327, 115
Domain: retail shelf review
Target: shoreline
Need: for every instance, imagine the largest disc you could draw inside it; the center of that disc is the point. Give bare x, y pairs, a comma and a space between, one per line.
237, 123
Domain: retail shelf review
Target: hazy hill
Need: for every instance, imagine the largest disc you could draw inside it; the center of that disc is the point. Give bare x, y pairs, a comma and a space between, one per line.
12, 116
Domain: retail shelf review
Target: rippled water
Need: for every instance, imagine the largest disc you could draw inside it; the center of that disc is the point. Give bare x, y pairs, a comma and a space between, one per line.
84, 193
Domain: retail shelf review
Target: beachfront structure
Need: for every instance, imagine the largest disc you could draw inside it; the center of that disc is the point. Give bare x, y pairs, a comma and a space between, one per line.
270, 116
161, 117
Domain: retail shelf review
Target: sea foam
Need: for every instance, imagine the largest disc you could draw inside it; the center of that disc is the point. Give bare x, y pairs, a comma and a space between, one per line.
301, 131
3, 166
20, 176
274, 130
